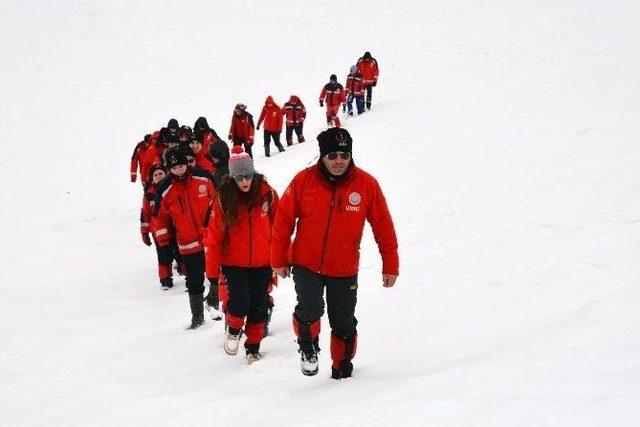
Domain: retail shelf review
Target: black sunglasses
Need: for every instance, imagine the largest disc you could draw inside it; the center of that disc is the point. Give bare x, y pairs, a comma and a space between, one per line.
242, 177
334, 155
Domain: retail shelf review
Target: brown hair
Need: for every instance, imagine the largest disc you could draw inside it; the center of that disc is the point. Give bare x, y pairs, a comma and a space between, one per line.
231, 195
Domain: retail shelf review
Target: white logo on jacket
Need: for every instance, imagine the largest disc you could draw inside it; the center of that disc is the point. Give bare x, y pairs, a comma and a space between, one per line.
355, 198
202, 189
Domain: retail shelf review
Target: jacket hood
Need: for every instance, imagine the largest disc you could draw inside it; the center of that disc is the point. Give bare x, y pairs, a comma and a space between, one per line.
202, 121
294, 99
269, 100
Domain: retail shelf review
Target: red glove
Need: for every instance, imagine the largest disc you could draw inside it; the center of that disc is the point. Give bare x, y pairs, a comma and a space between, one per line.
146, 239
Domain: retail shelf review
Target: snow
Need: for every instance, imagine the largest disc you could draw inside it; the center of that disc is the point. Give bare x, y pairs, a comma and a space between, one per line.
504, 134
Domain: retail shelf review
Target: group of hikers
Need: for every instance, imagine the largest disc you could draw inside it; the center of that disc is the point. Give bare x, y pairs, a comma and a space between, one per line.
207, 208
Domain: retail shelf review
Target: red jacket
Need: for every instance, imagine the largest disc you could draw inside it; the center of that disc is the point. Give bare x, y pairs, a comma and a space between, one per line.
136, 160
369, 70
204, 161
146, 225
330, 220
153, 155
241, 128
248, 240
333, 94
354, 85
294, 110
184, 203
272, 116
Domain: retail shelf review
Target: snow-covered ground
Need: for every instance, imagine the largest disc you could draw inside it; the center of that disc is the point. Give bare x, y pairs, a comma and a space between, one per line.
505, 134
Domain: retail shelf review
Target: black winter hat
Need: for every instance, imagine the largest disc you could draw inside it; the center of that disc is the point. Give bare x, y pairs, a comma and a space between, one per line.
334, 139
171, 139
201, 122
173, 124
186, 150
175, 157
367, 55
333, 78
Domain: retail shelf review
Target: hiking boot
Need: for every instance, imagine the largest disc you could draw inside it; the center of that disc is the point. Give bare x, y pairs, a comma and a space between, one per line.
344, 372
197, 311
212, 304
309, 361
253, 357
232, 341
166, 283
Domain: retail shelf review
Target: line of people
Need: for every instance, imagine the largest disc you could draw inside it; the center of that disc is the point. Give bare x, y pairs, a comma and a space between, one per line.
207, 209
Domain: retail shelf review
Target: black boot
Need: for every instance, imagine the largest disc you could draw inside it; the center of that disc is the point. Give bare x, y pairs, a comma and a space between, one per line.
197, 311
166, 283
267, 151
280, 147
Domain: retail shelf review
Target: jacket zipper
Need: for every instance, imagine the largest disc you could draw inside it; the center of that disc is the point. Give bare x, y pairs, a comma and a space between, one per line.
326, 233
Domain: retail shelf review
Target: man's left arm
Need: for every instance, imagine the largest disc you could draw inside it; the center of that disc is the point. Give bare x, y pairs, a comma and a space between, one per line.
385, 235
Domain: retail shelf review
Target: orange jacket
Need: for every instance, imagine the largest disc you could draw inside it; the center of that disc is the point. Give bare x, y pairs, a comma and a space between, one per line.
185, 202
369, 70
330, 220
333, 94
272, 116
148, 202
247, 243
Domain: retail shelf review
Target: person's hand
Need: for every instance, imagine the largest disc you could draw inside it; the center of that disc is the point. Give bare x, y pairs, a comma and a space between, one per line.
230, 137
134, 177
321, 104
375, 82
258, 127
388, 280
146, 239
283, 272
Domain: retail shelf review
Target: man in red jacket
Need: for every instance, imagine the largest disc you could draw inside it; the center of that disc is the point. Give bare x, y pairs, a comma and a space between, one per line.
333, 95
368, 67
296, 113
328, 204
272, 117
184, 203
241, 131
137, 158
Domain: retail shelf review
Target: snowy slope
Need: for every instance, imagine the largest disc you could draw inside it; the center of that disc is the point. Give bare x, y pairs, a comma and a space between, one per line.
505, 135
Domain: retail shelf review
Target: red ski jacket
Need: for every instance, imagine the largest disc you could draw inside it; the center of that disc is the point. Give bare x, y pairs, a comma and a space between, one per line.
153, 155
247, 243
204, 161
242, 128
354, 85
148, 202
272, 116
184, 203
136, 160
330, 220
369, 70
294, 110
333, 94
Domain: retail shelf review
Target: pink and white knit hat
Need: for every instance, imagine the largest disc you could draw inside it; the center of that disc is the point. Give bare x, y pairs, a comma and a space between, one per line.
240, 163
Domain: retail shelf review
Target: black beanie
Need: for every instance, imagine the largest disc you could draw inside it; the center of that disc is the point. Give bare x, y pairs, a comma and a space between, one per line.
333, 77
175, 157
334, 139
367, 55
173, 124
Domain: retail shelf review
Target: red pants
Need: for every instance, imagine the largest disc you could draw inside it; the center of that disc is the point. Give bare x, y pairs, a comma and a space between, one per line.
332, 115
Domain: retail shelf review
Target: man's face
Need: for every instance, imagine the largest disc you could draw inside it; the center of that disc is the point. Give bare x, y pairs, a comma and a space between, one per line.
179, 170
337, 163
158, 175
195, 146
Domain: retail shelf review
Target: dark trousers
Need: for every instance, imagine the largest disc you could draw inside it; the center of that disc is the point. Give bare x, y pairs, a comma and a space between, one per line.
165, 259
359, 104
247, 291
247, 146
369, 89
194, 266
267, 142
289, 133
341, 299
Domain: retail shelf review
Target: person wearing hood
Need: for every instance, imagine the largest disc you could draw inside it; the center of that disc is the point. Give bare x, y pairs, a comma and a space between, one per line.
137, 159
355, 90
241, 131
272, 116
368, 68
333, 95
295, 113
204, 133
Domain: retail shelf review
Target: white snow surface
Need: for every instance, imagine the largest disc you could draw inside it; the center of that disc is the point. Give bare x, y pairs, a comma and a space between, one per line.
505, 134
